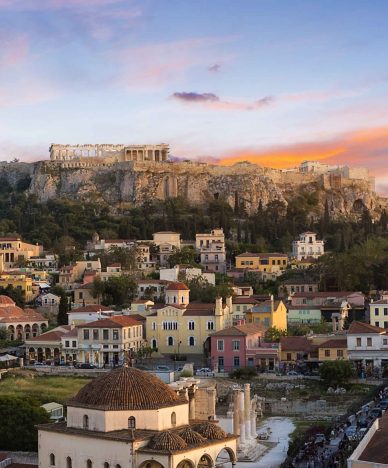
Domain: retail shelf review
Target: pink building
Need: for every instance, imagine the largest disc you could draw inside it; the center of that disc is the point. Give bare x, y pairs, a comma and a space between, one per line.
354, 298
242, 346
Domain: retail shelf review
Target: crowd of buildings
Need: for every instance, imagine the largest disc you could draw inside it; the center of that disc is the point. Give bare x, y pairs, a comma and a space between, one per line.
229, 332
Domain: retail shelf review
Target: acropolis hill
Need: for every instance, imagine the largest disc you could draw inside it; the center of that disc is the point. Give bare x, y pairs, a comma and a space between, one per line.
127, 175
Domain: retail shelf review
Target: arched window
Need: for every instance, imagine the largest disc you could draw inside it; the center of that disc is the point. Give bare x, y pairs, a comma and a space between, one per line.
118, 466
191, 341
154, 344
173, 419
174, 299
170, 341
52, 459
183, 299
86, 421
106, 465
89, 464
69, 463
131, 423
191, 325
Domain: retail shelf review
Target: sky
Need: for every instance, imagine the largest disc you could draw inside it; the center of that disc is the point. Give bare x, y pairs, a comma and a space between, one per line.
272, 82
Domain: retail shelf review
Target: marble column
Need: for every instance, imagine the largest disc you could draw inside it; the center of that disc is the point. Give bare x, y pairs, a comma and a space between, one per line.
236, 413
253, 425
247, 410
242, 422
191, 392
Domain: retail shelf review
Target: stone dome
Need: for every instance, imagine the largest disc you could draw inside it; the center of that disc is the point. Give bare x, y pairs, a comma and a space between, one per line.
167, 440
210, 431
176, 286
126, 388
191, 437
5, 300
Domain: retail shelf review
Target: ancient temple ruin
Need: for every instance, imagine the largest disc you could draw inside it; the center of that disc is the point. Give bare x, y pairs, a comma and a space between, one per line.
111, 153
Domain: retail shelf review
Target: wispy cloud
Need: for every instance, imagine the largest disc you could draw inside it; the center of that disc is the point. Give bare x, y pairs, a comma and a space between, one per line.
216, 67
14, 50
213, 101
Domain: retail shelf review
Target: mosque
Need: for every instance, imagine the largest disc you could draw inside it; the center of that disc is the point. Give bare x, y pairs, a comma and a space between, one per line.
129, 418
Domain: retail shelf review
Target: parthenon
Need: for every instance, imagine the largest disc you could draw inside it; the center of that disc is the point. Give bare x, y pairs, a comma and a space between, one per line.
114, 153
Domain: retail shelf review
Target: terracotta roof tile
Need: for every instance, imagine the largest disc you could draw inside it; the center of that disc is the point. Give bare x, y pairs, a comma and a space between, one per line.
116, 321
340, 343
361, 327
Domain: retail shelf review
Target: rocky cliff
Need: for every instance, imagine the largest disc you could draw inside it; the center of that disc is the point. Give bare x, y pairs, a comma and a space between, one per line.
132, 183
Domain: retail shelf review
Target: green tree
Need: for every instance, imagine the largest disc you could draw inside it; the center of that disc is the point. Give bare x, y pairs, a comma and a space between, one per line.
186, 256
119, 291
18, 417
15, 294
273, 335
63, 309
336, 373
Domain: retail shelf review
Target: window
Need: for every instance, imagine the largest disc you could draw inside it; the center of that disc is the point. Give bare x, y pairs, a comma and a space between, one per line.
89, 464
385, 324
95, 334
69, 463
170, 341
153, 325
369, 341
236, 361
105, 334
289, 357
191, 341
385, 341
86, 421
236, 345
106, 465
340, 353
191, 325
86, 334
74, 344
154, 344
210, 325
131, 423
118, 466
52, 459
377, 324
115, 334
376, 311
67, 344
220, 345
385, 311
173, 419
358, 342
327, 352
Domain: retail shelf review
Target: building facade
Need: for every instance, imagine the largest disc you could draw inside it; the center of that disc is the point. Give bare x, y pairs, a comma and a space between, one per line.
307, 246
211, 249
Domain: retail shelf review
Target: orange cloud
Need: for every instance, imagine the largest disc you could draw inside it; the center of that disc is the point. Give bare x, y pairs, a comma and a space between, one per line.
366, 147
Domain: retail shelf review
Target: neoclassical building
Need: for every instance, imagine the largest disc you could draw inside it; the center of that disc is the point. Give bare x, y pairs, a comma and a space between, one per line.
129, 418
20, 324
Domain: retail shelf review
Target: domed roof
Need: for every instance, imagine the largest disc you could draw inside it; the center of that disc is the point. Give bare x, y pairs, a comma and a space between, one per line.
210, 431
176, 286
191, 437
126, 388
5, 300
167, 441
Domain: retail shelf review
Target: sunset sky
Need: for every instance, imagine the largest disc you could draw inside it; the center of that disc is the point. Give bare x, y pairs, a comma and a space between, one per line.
272, 82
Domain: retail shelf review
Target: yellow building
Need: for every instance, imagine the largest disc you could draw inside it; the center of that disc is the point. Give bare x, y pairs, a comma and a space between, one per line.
273, 263
268, 313
18, 281
14, 250
332, 350
181, 327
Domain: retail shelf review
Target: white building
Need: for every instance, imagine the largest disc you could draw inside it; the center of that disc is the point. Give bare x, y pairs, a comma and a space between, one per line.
129, 418
307, 246
211, 247
186, 272
367, 346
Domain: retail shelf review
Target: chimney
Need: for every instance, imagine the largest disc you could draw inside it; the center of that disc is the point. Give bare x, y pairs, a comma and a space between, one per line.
229, 303
218, 310
272, 304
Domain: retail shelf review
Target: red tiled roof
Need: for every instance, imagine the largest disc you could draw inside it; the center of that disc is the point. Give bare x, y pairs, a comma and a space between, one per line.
91, 308
118, 321
138, 317
361, 327
5, 300
295, 343
244, 300
340, 343
52, 335
376, 452
326, 294
176, 286
241, 330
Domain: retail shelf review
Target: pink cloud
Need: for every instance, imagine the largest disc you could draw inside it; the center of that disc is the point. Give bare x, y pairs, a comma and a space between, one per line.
14, 51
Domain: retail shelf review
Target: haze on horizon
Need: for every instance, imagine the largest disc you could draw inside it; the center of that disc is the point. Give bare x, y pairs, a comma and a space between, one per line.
270, 82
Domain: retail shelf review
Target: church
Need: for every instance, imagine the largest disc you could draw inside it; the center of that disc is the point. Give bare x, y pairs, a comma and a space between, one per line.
129, 418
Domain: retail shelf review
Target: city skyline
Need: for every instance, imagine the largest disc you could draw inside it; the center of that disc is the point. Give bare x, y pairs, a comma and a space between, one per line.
274, 82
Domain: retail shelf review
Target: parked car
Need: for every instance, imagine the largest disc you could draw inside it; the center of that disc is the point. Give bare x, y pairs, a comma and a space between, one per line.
376, 413
292, 372
205, 371
163, 368
85, 365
